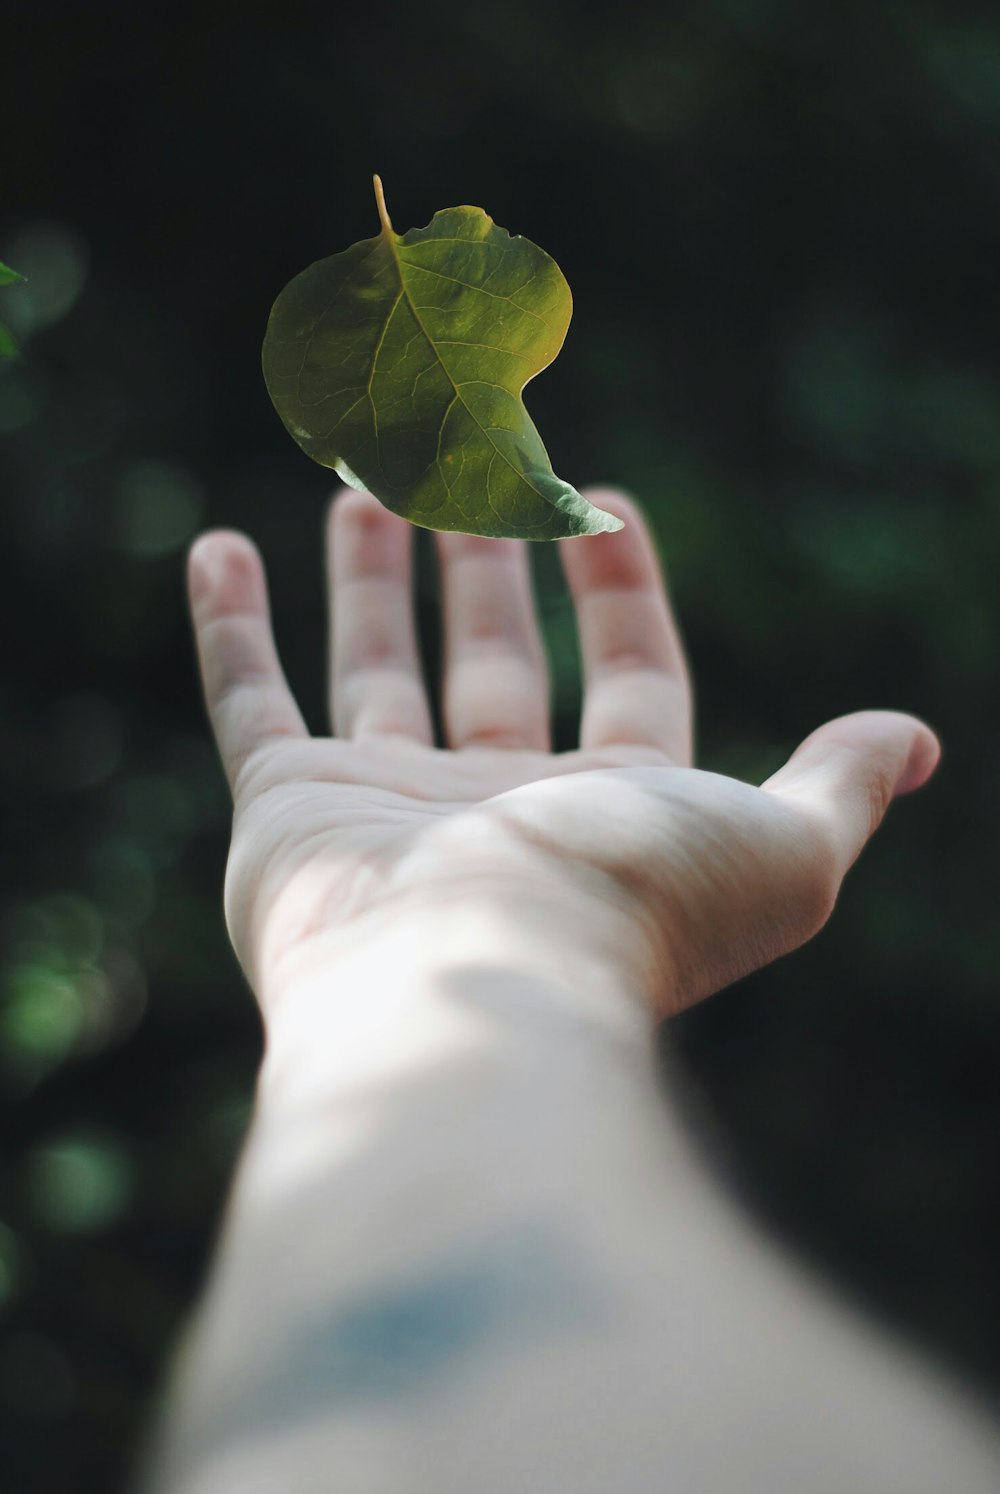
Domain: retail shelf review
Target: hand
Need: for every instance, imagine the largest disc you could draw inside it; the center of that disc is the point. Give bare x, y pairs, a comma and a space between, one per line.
691, 879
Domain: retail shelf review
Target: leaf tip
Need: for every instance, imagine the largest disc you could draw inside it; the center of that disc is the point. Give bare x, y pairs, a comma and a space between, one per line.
383, 211
603, 522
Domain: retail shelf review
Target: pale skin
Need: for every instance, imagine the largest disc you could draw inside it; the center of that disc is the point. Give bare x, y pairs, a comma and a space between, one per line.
710, 877
461, 954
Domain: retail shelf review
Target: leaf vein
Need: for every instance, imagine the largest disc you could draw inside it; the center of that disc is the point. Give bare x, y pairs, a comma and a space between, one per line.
521, 476
424, 270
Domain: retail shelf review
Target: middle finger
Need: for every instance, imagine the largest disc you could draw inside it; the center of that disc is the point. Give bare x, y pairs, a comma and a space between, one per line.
496, 687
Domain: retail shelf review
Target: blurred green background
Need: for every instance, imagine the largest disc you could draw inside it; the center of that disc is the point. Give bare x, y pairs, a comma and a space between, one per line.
781, 224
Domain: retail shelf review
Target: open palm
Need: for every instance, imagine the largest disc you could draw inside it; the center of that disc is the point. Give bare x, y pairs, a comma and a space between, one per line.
695, 878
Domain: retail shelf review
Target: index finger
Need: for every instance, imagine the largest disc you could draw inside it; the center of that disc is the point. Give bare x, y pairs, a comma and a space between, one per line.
246, 693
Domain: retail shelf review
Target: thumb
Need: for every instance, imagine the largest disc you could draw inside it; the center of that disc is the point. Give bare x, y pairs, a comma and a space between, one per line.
851, 769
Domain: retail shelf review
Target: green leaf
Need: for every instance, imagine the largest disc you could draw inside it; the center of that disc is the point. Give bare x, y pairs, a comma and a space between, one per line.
400, 364
8, 347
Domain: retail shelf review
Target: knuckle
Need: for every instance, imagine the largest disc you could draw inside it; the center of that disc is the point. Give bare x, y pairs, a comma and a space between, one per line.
626, 659
252, 772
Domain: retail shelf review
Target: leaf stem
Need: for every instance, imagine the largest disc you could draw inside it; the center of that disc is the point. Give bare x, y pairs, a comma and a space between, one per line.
382, 209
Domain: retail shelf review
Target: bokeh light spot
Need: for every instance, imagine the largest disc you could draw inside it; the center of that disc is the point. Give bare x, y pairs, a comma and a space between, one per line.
42, 1015
160, 506
156, 809
79, 1183
73, 923
54, 261
121, 879
86, 740
11, 1264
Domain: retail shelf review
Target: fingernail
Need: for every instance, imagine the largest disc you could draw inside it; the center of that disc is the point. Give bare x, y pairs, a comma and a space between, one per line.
925, 754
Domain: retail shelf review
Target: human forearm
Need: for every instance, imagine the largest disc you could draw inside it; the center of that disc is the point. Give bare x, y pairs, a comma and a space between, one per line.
471, 1246
446, 1120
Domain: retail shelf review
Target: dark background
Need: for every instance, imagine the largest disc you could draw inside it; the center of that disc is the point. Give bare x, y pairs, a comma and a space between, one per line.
781, 223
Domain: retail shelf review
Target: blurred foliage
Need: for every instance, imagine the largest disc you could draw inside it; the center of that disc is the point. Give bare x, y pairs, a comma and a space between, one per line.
8, 347
781, 225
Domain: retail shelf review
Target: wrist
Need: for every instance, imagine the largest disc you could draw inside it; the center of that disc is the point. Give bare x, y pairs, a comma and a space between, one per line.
476, 974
